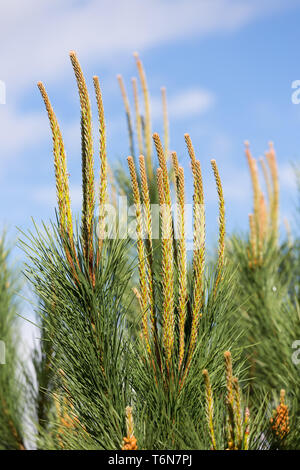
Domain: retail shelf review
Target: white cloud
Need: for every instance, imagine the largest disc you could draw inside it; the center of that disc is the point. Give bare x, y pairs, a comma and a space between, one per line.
236, 189
35, 36
47, 195
287, 177
189, 103
18, 130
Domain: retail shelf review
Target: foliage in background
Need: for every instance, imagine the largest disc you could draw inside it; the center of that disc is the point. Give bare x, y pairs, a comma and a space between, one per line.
12, 396
270, 313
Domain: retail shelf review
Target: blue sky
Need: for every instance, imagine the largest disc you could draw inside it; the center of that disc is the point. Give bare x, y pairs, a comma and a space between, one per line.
227, 65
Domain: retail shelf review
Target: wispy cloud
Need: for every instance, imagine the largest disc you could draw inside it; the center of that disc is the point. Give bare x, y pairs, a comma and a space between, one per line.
46, 195
287, 177
37, 34
189, 103
18, 130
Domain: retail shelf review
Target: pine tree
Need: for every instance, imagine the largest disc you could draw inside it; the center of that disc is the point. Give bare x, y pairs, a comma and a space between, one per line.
135, 334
